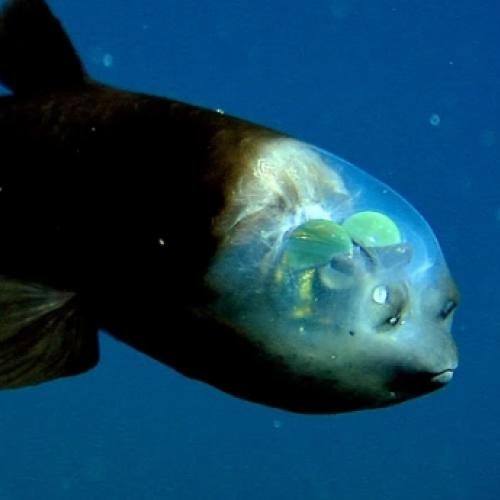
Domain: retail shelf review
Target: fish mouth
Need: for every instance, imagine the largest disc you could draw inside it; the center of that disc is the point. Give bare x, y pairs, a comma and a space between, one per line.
409, 385
443, 377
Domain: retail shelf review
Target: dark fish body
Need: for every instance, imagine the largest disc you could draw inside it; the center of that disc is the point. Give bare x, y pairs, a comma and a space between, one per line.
180, 230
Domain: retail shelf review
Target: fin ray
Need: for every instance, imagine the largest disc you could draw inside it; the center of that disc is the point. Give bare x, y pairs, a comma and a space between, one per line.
43, 335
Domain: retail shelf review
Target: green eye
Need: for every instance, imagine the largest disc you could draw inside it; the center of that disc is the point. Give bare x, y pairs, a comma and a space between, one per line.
372, 229
315, 243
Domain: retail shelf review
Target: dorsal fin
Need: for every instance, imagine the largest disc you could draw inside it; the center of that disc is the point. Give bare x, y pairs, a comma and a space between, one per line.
36, 55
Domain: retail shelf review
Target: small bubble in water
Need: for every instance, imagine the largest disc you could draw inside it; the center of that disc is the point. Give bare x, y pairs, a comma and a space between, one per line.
107, 60
435, 120
99, 56
276, 423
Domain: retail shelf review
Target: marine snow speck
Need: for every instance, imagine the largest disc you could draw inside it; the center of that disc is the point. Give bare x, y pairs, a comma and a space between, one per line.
241, 257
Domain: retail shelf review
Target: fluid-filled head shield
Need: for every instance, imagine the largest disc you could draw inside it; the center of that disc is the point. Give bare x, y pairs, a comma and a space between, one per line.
334, 274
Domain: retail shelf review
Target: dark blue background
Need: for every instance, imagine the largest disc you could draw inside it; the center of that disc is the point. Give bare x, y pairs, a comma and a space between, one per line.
361, 79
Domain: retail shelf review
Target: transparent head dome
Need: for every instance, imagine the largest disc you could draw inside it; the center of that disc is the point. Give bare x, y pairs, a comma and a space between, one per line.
368, 195
318, 260
298, 208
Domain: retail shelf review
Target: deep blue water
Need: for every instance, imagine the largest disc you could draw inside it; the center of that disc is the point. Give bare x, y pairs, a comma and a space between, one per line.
361, 79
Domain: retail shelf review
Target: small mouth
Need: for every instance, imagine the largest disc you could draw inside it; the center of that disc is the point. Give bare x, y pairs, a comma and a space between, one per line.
443, 377
414, 384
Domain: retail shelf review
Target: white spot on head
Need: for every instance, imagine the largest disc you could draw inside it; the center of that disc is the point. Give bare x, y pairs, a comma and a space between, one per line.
380, 294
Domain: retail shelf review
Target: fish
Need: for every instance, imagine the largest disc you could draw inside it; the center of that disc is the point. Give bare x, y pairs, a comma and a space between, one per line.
237, 255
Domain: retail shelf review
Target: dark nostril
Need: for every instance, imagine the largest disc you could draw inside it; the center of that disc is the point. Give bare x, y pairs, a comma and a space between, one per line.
448, 308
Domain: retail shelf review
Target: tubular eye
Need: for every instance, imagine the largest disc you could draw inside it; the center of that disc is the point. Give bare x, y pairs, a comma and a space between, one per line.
448, 308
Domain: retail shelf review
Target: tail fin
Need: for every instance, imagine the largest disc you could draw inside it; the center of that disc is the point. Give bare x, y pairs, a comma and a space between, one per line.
36, 55
43, 335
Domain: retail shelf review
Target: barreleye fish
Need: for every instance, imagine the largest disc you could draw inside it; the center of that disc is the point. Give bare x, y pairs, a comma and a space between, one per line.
235, 254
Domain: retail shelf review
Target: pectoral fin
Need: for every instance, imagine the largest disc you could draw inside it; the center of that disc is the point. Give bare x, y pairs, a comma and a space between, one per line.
43, 334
